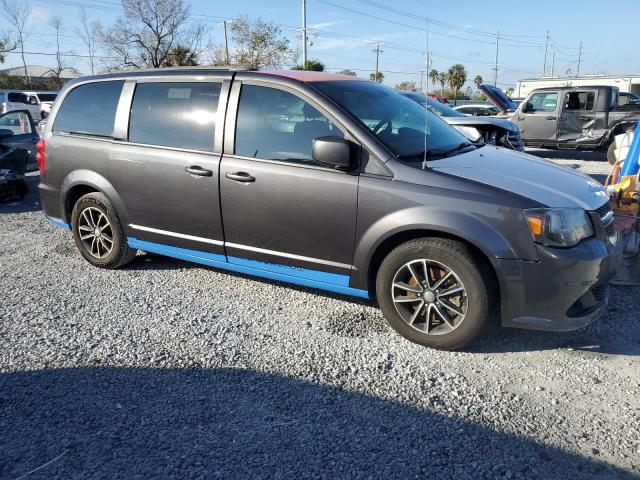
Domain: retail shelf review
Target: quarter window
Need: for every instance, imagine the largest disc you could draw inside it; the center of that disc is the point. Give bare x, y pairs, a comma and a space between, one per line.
16, 97
276, 125
89, 109
181, 115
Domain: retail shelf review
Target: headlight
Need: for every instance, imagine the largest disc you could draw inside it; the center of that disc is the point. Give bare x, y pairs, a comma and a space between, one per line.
558, 227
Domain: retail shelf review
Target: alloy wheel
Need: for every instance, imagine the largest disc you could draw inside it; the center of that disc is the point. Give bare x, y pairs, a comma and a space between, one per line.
429, 296
95, 232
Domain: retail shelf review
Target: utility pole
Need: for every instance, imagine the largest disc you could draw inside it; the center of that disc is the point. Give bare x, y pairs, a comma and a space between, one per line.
226, 42
553, 63
422, 80
377, 51
546, 47
495, 73
579, 60
304, 34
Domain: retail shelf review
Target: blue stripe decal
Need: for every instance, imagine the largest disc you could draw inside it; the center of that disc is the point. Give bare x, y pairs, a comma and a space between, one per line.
282, 273
59, 223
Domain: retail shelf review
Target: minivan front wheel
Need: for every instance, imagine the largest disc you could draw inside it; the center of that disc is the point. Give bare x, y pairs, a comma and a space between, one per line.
434, 292
98, 233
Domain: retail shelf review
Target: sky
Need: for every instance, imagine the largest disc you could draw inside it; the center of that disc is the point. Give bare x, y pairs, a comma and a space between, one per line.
343, 34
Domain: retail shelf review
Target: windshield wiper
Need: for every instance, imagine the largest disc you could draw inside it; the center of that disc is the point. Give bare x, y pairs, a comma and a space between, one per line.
459, 148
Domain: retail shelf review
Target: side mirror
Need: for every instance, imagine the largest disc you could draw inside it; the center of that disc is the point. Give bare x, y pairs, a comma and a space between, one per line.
5, 132
331, 150
526, 107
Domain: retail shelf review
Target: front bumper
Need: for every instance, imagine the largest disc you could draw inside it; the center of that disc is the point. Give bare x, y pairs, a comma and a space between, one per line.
564, 290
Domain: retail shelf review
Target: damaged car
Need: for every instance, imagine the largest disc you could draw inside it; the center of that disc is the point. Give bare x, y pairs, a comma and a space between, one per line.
18, 139
571, 118
487, 129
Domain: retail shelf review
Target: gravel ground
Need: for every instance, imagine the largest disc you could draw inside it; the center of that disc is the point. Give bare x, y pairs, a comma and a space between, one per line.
166, 369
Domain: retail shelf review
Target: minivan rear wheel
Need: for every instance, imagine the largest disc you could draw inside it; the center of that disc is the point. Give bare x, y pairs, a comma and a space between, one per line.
98, 233
435, 292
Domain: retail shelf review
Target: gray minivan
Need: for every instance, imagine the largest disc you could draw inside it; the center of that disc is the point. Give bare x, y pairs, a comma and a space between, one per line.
329, 182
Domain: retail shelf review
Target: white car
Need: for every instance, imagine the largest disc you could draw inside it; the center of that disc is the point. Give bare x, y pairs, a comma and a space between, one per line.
37, 103
477, 110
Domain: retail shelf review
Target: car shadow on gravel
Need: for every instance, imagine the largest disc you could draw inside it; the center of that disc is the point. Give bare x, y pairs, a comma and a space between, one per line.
135, 423
30, 203
584, 155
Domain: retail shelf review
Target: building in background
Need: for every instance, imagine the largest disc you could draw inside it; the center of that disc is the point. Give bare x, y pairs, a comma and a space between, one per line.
626, 83
39, 74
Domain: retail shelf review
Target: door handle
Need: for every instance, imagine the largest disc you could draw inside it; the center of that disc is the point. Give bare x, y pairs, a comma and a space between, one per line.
550, 117
520, 118
240, 177
199, 171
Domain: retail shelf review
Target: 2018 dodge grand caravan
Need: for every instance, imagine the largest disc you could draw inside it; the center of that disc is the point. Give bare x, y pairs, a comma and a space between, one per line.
329, 182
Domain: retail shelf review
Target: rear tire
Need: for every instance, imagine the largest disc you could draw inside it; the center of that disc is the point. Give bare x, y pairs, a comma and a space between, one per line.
98, 232
421, 306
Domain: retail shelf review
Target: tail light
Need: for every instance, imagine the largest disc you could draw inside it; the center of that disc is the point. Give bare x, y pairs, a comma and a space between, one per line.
40, 155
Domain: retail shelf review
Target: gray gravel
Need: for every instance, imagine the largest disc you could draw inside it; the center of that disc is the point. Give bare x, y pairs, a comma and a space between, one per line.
171, 370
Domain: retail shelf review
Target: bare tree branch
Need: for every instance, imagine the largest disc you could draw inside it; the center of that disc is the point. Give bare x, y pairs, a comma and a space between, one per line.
18, 15
88, 32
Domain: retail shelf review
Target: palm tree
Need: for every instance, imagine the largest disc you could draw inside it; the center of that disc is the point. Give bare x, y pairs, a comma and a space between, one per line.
442, 78
477, 81
456, 76
377, 77
433, 75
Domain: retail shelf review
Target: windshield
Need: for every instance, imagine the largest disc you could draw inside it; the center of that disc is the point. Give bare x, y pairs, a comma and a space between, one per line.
397, 121
47, 97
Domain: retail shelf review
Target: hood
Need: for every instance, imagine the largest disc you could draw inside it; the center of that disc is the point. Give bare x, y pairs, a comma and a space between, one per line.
540, 180
472, 121
498, 98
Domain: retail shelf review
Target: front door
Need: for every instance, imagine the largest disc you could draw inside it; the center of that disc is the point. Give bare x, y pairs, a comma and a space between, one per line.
20, 133
577, 116
538, 118
169, 174
282, 212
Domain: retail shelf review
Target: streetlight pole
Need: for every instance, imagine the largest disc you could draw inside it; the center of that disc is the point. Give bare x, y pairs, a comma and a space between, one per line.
304, 34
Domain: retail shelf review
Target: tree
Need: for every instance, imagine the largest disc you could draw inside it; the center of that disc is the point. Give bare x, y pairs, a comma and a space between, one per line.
259, 43
509, 91
477, 80
311, 65
18, 15
376, 77
433, 75
456, 76
88, 32
351, 73
442, 78
61, 65
408, 86
149, 31
181, 56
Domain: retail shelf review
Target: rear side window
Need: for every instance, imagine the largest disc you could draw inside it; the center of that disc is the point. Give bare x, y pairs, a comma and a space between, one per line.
580, 101
17, 97
89, 109
181, 115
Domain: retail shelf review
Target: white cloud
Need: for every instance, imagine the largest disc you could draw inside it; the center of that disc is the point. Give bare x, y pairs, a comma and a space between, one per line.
321, 25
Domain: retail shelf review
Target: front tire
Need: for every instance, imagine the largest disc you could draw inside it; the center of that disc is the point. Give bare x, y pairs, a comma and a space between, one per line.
98, 233
435, 292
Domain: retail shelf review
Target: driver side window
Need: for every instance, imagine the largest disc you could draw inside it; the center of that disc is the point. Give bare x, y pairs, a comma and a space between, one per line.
542, 102
274, 124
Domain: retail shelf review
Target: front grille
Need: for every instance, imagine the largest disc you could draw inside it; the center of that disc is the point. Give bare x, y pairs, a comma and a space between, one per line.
605, 214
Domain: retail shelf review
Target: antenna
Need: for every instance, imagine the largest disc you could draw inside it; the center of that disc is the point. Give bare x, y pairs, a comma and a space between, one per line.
426, 105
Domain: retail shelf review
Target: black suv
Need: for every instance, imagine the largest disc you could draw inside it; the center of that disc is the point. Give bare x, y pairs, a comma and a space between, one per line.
332, 183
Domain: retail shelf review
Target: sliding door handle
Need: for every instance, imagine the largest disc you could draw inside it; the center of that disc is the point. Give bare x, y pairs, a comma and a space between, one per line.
199, 171
240, 177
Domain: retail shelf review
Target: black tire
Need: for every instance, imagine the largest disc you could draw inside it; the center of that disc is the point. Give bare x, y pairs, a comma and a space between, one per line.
611, 153
120, 254
474, 276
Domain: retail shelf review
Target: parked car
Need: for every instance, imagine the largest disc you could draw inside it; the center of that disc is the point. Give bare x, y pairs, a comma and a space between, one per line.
490, 130
18, 139
627, 98
35, 102
586, 118
323, 180
479, 110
